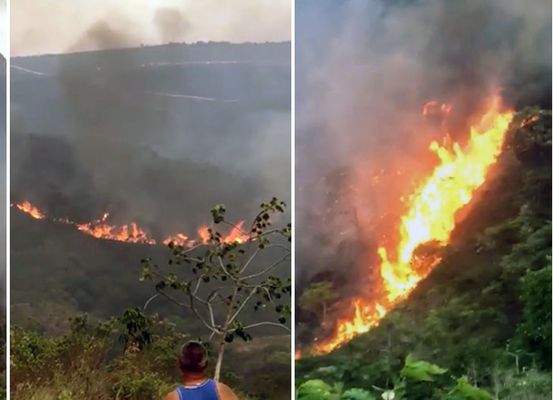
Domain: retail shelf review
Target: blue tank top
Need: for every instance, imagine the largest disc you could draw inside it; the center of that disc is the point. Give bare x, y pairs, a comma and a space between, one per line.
204, 391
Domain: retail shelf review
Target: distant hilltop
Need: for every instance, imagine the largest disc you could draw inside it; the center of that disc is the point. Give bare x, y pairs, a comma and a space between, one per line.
199, 50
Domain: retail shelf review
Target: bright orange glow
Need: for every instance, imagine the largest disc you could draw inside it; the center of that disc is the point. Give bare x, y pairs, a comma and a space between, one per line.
203, 234
31, 210
365, 316
132, 233
179, 240
530, 120
429, 219
126, 233
236, 234
432, 107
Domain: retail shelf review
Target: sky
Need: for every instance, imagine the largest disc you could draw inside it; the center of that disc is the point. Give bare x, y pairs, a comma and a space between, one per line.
3, 35
59, 26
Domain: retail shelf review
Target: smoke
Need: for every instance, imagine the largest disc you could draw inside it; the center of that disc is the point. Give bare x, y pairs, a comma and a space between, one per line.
154, 135
172, 24
102, 35
364, 70
3, 29
42, 26
139, 138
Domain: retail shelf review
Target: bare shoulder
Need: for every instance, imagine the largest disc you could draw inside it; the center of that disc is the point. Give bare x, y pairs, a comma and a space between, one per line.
225, 393
172, 396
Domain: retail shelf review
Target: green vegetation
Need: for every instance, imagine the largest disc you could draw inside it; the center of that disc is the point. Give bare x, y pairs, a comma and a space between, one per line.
216, 280
3, 357
230, 288
130, 357
93, 360
417, 380
317, 297
482, 318
136, 163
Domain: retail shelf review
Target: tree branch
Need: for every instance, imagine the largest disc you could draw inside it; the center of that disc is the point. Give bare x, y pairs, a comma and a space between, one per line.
222, 265
149, 301
237, 312
266, 270
197, 285
247, 263
267, 323
190, 307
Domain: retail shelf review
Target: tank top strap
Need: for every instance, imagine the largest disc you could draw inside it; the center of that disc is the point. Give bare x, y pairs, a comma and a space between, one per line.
204, 391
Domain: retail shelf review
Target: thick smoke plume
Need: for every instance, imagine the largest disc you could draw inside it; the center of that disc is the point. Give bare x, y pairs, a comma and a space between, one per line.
364, 71
156, 135
41, 26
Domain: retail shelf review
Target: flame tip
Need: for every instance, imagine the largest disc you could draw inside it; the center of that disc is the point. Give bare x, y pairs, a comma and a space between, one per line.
430, 217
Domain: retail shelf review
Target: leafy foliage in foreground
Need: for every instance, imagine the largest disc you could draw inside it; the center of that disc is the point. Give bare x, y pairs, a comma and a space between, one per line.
219, 285
485, 312
131, 357
418, 379
90, 362
3, 357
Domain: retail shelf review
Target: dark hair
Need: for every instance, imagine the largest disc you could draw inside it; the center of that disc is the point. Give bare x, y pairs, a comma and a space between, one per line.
193, 357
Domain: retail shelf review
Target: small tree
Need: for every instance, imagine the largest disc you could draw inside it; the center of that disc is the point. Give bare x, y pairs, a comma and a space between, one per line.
137, 333
217, 279
317, 297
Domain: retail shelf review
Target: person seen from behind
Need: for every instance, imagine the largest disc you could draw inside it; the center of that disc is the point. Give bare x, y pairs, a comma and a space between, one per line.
196, 385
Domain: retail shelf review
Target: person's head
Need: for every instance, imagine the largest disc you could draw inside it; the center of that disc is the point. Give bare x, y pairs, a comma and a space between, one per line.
193, 358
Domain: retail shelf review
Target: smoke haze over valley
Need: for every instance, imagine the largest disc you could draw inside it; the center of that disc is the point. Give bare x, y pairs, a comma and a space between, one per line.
41, 26
155, 135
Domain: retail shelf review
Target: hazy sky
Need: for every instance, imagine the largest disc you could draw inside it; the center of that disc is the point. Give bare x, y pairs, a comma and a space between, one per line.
56, 26
3, 35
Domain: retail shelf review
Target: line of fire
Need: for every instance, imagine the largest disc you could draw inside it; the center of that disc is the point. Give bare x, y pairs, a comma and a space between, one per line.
408, 246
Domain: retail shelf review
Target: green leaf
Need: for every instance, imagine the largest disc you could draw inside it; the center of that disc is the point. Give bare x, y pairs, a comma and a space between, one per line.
357, 394
315, 389
419, 370
465, 391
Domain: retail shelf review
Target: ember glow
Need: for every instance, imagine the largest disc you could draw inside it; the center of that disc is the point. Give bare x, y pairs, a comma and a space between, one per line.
132, 233
429, 219
127, 233
434, 108
236, 235
28, 208
179, 239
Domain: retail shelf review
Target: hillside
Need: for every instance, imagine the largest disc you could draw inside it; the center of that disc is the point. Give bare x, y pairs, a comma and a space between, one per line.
155, 135
107, 142
141, 126
485, 311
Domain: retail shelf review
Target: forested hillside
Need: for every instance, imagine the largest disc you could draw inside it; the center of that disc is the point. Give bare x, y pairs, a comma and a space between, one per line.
479, 326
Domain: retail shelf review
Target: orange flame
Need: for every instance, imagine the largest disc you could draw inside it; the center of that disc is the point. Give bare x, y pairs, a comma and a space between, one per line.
179, 239
366, 316
126, 233
203, 234
434, 108
132, 233
430, 218
28, 208
236, 234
